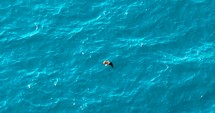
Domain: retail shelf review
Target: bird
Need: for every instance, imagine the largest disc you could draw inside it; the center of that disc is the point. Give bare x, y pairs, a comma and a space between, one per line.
107, 62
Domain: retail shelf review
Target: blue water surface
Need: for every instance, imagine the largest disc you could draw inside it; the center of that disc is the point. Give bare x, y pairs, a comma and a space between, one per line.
51, 54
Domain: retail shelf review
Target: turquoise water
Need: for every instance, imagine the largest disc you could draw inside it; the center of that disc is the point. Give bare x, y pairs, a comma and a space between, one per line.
51, 54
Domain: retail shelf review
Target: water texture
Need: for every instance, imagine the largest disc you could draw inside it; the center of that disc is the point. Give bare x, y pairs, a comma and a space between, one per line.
51, 54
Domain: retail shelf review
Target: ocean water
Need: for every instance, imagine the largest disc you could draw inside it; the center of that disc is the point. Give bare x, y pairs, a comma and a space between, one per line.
51, 54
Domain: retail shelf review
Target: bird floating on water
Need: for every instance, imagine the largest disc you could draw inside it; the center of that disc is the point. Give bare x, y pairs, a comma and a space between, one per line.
106, 62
